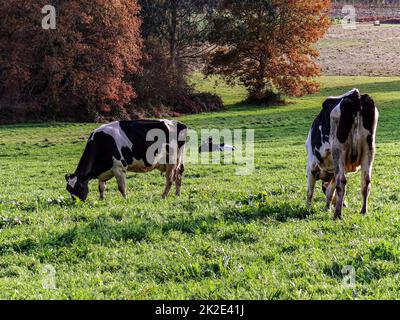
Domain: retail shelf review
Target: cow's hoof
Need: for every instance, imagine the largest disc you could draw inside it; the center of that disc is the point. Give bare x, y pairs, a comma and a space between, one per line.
337, 217
364, 212
345, 205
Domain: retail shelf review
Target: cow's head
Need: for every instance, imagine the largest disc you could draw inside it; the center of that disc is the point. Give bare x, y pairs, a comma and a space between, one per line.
77, 187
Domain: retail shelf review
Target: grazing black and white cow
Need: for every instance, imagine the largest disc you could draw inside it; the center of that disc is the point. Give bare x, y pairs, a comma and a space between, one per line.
342, 140
135, 146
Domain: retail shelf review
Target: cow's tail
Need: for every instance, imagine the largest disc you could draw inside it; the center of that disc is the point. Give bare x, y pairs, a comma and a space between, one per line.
182, 137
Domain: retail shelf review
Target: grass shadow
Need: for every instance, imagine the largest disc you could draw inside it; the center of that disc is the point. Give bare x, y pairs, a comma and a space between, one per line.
279, 212
100, 231
190, 225
106, 230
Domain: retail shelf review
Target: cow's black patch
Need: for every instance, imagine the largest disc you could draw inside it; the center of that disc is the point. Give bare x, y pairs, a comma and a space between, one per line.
368, 112
324, 189
127, 156
319, 157
181, 127
321, 127
349, 108
137, 132
370, 142
98, 156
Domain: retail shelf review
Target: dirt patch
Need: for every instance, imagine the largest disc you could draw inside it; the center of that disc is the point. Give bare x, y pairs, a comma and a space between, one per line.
366, 51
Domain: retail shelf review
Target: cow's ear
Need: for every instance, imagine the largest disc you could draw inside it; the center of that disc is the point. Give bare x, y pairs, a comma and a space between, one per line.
67, 176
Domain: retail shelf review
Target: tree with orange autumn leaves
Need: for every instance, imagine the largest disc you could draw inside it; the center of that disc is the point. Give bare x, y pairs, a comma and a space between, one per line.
268, 45
76, 71
94, 66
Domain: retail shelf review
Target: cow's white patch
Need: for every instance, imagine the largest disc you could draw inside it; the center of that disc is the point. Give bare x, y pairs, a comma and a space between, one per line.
346, 94
336, 113
72, 182
311, 160
114, 130
172, 129
226, 147
209, 146
169, 123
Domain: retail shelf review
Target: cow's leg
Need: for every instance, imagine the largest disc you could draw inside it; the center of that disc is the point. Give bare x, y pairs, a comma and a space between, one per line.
103, 182
330, 194
179, 176
120, 175
334, 201
170, 177
341, 191
311, 177
366, 173
102, 188
341, 182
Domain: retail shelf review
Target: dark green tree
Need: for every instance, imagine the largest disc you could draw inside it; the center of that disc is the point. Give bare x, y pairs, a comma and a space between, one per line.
181, 27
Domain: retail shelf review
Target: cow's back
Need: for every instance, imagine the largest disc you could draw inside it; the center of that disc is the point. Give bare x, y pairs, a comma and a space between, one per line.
128, 142
144, 134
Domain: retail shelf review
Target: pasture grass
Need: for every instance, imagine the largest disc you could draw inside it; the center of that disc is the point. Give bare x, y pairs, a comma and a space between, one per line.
227, 237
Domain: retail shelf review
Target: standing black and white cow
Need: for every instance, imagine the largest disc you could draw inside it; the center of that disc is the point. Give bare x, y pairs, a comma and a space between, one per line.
135, 146
342, 140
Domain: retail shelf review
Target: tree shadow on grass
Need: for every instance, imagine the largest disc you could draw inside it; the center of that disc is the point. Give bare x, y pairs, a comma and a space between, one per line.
94, 232
105, 230
279, 212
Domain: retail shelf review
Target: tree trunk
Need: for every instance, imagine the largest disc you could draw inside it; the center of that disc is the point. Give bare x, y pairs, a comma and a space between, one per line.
259, 87
262, 91
54, 90
173, 35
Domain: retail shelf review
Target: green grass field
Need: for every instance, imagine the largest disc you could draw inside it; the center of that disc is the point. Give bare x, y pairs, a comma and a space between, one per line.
202, 245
